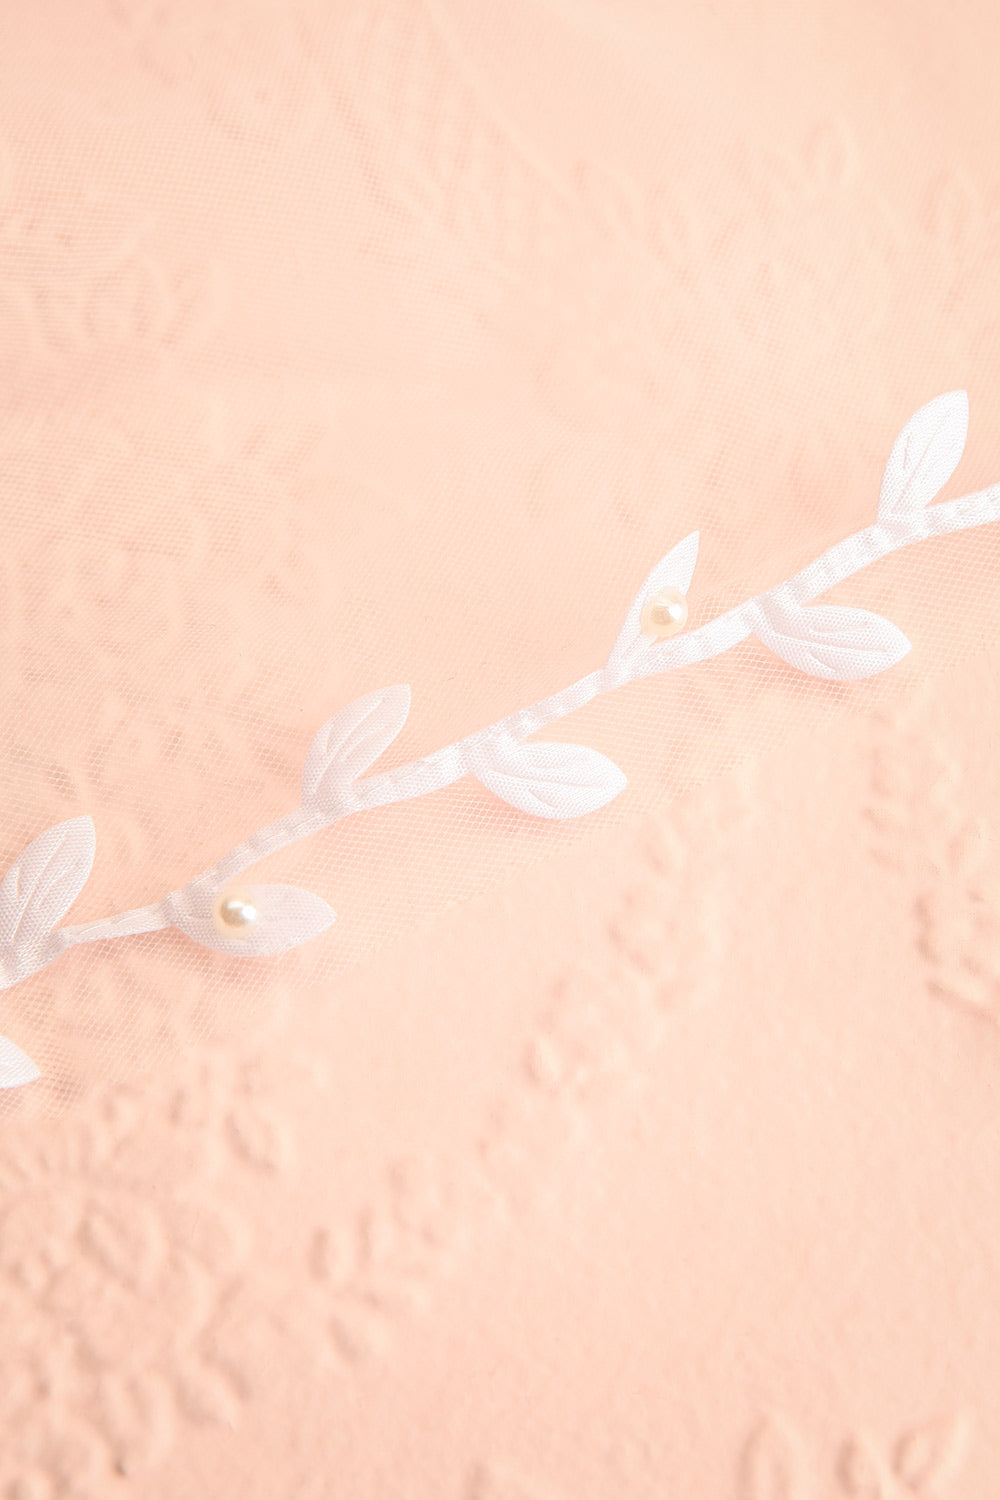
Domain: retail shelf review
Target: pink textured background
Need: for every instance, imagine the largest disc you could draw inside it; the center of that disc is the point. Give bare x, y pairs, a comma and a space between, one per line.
353, 344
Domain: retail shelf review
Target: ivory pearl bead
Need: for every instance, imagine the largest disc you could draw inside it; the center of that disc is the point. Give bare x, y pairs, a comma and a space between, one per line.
665, 613
234, 914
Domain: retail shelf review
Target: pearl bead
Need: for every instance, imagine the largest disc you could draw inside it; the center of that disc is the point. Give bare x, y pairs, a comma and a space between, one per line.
234, 914
665, 613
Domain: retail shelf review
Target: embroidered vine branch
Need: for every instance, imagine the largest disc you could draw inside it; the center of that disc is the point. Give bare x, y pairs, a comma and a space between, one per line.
546, 779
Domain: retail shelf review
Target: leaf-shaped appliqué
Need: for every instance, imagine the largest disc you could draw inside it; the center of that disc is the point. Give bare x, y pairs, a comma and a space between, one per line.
927, 1456
829, 640
15, 1067
925, 455
547, 779
673, 571
286, 917
348, 744
42, 884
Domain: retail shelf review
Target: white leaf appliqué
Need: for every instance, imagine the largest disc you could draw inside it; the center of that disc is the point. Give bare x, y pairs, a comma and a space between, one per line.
348, 743
829, 640
547, 779
925, 455
42, 884
287, 916
673, 571
15, 1068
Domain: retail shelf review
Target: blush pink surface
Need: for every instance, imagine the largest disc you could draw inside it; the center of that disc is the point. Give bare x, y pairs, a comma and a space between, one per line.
395, 341
669, 1169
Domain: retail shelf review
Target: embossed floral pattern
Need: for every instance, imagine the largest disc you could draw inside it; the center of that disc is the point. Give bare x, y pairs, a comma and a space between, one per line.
919, 780
336, 339
111, 1269
92, 1252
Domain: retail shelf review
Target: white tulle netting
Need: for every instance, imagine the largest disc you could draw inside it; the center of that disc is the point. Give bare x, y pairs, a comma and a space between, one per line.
393, 343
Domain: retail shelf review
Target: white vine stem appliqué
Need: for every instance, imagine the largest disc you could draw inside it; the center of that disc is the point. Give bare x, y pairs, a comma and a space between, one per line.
551, 780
